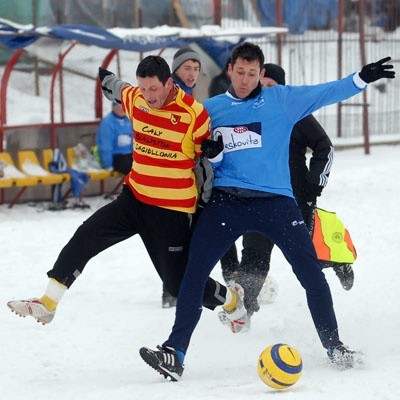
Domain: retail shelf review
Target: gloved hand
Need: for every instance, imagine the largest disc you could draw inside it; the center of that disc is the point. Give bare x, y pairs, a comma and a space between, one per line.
212, 148
103, 73
374, 71
311, 192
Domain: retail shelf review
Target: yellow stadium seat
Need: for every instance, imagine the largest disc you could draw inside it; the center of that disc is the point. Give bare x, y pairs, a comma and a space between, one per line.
47, 155
29, 164
94, 173
18, 179
11, 171
5, 182
117, 174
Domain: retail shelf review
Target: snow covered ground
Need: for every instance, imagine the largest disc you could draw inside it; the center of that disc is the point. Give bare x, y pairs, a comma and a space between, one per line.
90, 350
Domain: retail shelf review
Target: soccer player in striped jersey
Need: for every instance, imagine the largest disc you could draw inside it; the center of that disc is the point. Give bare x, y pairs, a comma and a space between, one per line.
159, 196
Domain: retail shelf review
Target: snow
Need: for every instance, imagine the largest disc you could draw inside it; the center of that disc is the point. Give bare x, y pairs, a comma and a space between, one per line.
163, 31
214, 31
10, 171
33, 169
90, 350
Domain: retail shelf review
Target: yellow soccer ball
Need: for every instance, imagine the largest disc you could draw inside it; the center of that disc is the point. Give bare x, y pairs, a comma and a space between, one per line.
279, 366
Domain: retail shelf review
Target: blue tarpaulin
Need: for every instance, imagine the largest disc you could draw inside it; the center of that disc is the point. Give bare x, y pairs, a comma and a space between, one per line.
14, 37
300, 15
10, 39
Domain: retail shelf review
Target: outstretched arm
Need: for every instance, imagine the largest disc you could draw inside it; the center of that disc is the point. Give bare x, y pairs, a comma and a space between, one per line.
111, 85
300, 101
378, 70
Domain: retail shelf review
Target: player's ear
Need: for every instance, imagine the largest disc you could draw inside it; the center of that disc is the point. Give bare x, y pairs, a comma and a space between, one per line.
169, 83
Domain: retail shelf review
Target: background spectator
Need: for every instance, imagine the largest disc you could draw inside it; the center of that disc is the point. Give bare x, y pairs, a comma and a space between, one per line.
186, 69
115, 140
220, 83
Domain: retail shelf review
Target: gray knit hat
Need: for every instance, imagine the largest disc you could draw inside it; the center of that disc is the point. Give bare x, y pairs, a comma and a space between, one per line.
183, 55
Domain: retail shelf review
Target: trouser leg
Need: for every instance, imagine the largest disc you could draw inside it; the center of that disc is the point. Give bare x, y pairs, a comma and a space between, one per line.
230, 264
254, 267
212, 237
109, 225
167, 242
291, 235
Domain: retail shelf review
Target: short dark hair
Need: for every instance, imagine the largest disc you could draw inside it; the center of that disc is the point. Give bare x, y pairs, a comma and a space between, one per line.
154, 66
249, 52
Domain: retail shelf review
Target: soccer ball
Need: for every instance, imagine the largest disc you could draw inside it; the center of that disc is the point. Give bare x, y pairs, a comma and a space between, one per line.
279, 366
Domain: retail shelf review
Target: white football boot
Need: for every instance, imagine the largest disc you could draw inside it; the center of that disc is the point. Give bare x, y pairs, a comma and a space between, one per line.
32, 307
237, 320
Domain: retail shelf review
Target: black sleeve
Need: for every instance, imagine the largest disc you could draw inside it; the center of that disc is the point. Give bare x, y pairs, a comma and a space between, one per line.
313, 135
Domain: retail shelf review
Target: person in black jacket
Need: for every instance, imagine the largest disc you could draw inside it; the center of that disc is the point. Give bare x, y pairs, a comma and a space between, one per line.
220, 83
307, 183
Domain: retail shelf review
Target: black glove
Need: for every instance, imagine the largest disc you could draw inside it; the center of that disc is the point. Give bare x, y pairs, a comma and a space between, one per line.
212, 148
103, 73
311, 192
374, 71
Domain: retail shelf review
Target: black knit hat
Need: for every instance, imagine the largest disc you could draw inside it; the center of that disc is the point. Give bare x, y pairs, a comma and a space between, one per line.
275, 72
183, 55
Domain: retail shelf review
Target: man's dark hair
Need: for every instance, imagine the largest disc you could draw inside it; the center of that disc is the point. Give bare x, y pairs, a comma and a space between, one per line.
249, 52
154, 66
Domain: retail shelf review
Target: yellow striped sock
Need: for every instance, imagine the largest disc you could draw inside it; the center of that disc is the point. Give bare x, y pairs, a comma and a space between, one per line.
231, 305
50, 304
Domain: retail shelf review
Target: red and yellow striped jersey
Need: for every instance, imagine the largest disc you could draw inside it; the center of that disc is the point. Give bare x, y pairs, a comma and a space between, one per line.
166, 142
